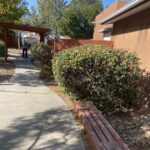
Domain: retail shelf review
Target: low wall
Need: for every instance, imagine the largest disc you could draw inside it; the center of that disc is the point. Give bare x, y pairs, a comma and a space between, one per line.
59, 45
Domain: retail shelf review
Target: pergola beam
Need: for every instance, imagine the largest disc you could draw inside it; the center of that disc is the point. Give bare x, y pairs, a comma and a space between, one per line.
24, 27
7, 26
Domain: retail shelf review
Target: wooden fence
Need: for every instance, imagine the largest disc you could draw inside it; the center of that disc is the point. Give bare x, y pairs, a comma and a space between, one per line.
12, 40
59, 45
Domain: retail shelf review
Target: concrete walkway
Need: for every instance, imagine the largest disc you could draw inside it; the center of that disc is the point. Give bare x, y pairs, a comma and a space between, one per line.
31, 116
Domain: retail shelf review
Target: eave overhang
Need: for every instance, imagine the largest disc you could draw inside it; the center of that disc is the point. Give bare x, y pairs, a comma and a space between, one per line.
129, 9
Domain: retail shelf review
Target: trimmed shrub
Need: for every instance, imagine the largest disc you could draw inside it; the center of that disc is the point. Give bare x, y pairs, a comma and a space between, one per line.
107, 76
2, 48
42, 53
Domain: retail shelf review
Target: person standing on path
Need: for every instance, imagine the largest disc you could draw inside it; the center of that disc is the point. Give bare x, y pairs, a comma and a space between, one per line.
25, 47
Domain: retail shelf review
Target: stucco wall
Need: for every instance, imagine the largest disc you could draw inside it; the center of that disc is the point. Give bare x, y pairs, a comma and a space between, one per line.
108, 11
133, 34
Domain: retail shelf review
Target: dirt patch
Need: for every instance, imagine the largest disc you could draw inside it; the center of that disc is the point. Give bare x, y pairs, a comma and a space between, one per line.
7, 69
133, 127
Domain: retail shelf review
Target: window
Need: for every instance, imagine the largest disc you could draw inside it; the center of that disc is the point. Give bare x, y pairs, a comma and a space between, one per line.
107, 36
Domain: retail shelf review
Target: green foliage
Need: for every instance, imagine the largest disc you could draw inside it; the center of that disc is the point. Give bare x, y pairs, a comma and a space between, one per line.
46, 14
50, 13
12, 10
42, 53
107, 76
31, 17
77, 18
2, 48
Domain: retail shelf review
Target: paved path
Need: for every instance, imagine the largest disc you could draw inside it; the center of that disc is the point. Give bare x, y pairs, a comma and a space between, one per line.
31, 116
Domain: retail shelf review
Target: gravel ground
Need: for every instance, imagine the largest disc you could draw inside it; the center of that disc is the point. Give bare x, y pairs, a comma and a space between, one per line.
134, 128
7, 69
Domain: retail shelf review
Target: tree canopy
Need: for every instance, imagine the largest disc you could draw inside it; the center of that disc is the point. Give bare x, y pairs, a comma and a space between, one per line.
12, 10
46, 14
77, 18
73, 19
50, 11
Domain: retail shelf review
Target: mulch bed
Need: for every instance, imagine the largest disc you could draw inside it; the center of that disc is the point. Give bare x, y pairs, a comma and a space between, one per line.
7, 69
133, 127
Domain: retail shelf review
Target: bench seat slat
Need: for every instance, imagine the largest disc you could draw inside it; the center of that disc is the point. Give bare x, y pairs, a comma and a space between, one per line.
80, 105
90, 132
112, 131
111, 141
97, 130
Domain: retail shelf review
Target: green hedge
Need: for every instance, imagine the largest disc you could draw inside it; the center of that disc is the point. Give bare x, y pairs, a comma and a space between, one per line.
2, 48
42, 53
107, 76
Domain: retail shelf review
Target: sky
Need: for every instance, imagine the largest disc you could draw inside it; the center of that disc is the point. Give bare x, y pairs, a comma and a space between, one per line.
34, 2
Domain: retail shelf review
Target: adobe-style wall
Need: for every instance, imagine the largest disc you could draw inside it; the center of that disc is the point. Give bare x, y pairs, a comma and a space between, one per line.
108, 11
59, 45
133, 34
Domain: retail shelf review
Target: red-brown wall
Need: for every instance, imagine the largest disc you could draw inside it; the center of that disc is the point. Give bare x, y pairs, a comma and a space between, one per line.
133, 34
12, 40
59, 45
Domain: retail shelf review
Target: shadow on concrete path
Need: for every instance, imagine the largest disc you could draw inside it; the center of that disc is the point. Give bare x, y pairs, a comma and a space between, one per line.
36, 129
33, 117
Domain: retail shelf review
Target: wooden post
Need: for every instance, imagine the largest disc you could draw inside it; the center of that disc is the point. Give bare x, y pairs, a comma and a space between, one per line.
19, 46
54, 43
6, 43
41, 37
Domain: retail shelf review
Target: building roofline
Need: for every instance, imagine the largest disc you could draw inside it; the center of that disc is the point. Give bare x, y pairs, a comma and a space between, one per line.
107, 29
126, 11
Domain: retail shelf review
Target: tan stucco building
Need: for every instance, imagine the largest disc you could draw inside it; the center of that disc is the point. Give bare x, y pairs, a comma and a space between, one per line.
103, 32
131, 29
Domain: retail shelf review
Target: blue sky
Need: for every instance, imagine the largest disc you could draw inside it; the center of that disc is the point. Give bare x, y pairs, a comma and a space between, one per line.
107, 2
34, 2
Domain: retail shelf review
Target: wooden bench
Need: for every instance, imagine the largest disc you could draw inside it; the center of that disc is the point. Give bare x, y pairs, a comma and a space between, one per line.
100, 133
